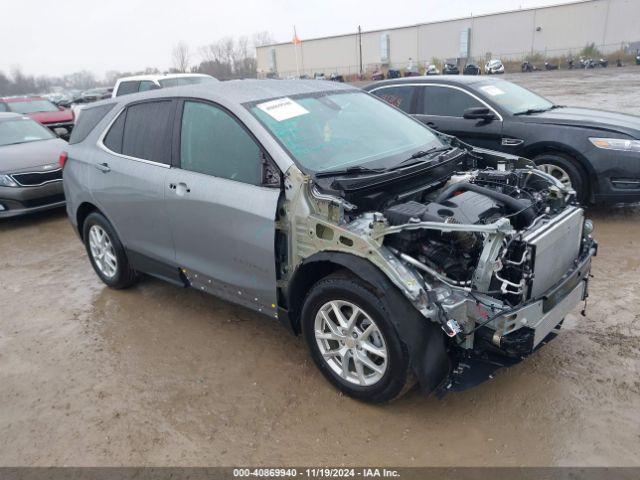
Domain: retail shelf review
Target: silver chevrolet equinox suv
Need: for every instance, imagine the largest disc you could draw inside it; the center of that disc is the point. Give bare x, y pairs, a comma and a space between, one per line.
401, 255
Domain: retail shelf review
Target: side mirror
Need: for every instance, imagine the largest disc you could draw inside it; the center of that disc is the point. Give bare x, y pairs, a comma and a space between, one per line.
478, 113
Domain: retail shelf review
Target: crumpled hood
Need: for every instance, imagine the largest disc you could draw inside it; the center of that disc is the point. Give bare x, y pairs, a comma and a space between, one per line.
52, 117
30, 155
587, 117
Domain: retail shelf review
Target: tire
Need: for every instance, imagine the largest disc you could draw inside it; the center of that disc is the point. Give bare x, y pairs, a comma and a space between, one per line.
112, 266
568, 165
345, 291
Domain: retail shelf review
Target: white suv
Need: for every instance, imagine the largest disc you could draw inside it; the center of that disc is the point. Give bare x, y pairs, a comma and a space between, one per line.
143, 83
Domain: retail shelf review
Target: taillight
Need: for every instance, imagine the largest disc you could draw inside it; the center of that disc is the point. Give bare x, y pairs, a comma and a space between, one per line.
63, 159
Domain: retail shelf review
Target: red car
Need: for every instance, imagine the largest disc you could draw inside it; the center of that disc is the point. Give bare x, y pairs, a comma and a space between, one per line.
58, 119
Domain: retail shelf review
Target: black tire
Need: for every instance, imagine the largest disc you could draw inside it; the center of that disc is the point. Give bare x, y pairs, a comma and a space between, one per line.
575, 172
124, 275
398, 378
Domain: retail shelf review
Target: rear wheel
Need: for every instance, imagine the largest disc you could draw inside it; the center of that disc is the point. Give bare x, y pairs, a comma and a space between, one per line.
352, 340
106, 253
566, 170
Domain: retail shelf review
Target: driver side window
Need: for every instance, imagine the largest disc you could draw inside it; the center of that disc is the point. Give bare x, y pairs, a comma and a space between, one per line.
212, 142
446, 102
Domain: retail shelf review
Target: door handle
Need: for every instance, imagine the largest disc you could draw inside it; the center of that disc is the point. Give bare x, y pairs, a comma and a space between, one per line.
181, 188
103, 167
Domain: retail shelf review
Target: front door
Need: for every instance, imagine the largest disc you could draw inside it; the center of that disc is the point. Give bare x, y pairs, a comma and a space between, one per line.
441, 107
222, 219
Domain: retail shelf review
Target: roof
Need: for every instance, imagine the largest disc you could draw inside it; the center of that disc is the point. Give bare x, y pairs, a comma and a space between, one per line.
159, 76
243, 91
6, 116
21, 99
448, 79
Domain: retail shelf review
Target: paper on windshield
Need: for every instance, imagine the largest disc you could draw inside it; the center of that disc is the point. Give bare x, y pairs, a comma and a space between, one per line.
492, 90
282, 109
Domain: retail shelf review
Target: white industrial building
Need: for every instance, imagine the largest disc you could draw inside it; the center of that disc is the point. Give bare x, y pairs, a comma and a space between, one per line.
550, 31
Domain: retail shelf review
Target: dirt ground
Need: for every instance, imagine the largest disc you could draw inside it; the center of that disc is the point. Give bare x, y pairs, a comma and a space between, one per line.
159, 375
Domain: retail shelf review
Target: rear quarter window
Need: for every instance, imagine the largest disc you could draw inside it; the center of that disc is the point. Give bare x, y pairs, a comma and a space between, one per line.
87, 121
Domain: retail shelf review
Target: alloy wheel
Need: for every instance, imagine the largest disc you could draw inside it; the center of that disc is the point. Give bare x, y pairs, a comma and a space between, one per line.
102, 251
351, 343
558, 173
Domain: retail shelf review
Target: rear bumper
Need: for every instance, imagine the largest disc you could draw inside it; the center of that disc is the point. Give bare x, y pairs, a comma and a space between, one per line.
15, 201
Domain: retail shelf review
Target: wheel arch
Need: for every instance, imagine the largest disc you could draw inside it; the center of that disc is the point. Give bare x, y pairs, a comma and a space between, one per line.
317, 266
84, 210
429, 360
539, 148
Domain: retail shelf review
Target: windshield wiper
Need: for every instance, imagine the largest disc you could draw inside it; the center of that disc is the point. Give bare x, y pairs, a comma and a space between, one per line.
533, 110
356, 169
419, 154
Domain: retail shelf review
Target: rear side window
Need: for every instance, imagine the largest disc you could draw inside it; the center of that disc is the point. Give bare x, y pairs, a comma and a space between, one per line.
446, 102
214, 143
169, 82
87, 121
147, 131
125, 88
113, 139
400, 97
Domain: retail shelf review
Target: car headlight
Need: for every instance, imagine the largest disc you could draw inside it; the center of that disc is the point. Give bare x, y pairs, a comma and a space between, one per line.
7, 181
621, 144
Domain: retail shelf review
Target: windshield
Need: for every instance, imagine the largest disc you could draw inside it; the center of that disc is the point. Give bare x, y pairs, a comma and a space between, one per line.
338, 130
22, 131
513, 98
32, 106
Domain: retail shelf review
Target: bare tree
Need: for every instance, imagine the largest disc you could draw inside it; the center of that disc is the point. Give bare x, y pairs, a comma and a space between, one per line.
181, 56
262, 38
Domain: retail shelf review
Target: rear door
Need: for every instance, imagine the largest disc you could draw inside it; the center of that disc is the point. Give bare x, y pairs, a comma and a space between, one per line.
441, 107
222, 219
129, 176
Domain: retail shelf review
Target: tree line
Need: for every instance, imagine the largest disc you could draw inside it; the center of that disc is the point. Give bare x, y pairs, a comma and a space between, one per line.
225, 59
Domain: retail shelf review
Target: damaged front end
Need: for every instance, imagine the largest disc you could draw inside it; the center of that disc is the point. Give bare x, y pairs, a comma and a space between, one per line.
485, 247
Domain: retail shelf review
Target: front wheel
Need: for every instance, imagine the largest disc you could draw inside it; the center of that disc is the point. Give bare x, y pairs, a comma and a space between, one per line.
566, 170
353, 341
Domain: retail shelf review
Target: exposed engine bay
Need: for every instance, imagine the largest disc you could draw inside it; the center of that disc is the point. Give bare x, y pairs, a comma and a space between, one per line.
486, 246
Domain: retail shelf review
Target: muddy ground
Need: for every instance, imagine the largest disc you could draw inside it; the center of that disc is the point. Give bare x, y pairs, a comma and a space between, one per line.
159, 375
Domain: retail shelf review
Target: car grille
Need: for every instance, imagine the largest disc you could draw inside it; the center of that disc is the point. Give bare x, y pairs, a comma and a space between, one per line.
34, 179
557, 247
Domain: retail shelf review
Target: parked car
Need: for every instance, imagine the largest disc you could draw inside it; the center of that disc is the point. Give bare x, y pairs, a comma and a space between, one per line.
638, 59
30, 176
551, 66
471, 69
494, 67
528, 67
591, 151
319, 76
58, 119
377, 75
143, 83
95, 94
394, 251
431, 70
450, 69
393, 73
335, 77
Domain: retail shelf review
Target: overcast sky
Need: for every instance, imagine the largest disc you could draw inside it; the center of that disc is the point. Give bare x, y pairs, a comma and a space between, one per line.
56, 37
